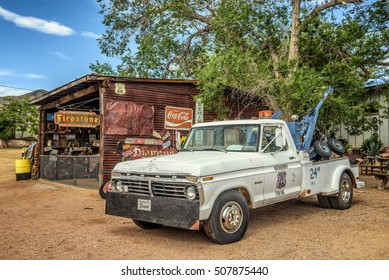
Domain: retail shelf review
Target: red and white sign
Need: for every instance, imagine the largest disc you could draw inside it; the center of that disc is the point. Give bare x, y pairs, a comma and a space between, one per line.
178, 118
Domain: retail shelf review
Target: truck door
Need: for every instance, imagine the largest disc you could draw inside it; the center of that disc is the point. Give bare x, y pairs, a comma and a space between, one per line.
281, 165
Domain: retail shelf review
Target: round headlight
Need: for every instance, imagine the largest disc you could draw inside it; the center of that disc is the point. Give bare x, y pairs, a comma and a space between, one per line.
118, 186
191, 193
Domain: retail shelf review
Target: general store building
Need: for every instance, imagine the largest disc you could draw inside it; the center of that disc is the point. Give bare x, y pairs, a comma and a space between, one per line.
90, 124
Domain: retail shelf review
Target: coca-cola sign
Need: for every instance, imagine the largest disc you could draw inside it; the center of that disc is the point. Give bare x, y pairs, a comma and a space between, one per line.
178, 118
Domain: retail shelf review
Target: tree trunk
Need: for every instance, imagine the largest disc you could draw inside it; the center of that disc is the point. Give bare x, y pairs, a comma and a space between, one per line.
295, 33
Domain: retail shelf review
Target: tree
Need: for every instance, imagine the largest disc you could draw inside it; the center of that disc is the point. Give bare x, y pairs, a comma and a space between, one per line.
103, 69
18, 115
284, 52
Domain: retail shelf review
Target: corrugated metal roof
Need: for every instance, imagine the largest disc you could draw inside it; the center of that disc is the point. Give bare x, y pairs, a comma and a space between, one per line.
90, 79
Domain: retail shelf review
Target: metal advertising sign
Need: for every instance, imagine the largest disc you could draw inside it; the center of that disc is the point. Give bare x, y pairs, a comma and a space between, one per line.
142, 141
178, 118
199, 112
76, 119
136, 152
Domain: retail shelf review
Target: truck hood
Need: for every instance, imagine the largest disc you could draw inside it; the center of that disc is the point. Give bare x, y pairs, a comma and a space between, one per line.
199, 163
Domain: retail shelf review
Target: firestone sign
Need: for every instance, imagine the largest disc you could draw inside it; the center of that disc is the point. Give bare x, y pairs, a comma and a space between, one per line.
178, 118
76, 119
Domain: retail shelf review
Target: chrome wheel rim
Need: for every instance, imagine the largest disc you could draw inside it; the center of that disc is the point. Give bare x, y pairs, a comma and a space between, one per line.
231, 217
345, 191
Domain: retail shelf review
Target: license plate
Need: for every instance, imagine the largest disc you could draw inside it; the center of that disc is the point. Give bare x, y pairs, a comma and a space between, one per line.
144, 204
360, 184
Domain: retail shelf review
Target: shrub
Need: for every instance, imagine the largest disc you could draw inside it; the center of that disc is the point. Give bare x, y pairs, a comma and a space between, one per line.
372, 146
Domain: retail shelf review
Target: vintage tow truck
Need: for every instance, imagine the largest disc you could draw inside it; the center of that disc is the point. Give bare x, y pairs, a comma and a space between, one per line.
226, 168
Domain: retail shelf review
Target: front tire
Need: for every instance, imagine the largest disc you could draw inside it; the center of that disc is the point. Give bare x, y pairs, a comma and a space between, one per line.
345, 197
146, 225
229, 219
104, 187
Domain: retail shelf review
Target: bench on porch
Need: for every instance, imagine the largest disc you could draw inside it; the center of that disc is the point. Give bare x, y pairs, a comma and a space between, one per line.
378, 167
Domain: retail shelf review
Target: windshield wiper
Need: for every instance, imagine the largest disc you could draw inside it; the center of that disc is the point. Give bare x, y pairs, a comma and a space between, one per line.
203, 149
214, 149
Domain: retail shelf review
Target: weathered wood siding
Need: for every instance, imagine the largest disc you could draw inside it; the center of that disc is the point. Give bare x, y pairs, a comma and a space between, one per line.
158, 95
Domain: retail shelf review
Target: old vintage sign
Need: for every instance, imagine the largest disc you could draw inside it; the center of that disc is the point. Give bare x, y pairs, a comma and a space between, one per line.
137, 152
120, 88
76, 119
142, 141
178, 118
199, 112
128, 118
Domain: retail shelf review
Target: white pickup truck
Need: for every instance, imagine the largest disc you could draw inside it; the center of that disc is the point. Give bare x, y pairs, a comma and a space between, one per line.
224, 169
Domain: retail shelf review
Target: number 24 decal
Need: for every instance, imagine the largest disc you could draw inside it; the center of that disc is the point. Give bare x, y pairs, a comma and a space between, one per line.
314, 172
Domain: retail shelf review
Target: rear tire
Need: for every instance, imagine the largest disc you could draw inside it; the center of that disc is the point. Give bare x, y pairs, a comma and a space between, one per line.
324, 201
229, 218
146, 225
345, 197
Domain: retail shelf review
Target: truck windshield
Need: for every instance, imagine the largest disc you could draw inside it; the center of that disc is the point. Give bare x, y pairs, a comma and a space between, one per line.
226, 138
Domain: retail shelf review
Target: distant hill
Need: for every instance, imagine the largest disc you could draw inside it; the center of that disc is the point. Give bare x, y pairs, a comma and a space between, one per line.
32, 95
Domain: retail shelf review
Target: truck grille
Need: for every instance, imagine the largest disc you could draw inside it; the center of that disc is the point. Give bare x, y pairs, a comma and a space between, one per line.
168, 189
135, 186
158, 186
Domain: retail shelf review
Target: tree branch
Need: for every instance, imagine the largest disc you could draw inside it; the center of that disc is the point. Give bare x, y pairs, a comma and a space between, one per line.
276, 60
197, 16
330, 4
382, 63
344, 54
295, 32
211, 6
187, 46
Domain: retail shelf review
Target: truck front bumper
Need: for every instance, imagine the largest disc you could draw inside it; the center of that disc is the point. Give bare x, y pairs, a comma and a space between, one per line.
160, 210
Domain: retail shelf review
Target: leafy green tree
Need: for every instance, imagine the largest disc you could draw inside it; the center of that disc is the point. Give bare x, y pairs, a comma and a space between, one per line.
18, 115
103, 69
283, 52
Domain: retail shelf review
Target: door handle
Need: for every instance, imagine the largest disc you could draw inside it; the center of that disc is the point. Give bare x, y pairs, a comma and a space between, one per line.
292, 157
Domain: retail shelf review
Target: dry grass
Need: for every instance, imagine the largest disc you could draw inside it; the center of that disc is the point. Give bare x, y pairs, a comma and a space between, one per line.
7, 160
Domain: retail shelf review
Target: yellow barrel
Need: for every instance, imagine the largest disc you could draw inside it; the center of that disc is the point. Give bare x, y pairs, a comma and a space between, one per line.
23, 169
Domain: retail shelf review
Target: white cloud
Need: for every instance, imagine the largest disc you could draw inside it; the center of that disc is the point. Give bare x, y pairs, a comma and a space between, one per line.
49, 27
4, 72
60, 55
10, 73
89, 34
34, 76
12, 91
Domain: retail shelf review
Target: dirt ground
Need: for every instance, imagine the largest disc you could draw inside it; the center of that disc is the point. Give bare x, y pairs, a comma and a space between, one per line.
44, 221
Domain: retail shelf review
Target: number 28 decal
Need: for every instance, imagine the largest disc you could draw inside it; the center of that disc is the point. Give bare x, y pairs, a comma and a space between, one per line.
314, 172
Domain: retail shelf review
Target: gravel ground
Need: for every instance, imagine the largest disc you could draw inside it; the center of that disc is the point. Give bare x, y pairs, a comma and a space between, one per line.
44, 221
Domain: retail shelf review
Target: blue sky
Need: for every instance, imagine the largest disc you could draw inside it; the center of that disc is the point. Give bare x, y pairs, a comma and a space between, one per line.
47, 43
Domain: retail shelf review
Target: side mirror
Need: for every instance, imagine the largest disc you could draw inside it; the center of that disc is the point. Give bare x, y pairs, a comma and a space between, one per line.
280, 137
